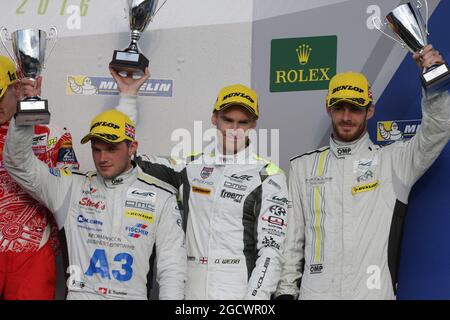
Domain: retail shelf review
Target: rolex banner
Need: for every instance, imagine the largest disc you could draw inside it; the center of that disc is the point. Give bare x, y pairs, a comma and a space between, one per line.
299, 64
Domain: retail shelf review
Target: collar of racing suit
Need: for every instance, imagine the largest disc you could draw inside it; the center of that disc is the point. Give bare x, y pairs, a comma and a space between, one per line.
241, 157
126, 177
343, 150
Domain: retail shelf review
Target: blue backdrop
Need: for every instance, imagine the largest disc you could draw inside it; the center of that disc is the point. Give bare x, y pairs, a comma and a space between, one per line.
425, 259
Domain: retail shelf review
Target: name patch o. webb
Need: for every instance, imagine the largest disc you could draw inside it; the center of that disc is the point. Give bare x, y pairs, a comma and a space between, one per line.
140, 215
365, 187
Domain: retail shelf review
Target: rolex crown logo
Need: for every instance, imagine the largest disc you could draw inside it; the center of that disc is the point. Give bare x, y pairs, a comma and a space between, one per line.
303, 53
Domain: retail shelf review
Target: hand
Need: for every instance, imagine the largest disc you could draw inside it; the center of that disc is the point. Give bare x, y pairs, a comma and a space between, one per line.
428, 57
127, 84
30, 87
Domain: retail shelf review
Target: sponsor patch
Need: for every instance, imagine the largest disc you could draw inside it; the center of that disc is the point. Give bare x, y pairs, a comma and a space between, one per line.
235, 186
140, 215
316, 268
200, 190
365, 187
141, 194
344, 151
275, 221
236, 197
317, 181
365, 176
136, 231
206, 172
277, 210
396, 130
270, 242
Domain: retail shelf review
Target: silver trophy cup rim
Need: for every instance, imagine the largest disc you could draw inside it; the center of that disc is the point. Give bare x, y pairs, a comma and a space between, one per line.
38, 55
421, 29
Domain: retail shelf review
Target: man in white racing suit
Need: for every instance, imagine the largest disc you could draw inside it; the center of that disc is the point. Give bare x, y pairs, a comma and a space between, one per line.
349, 198
234, 202
112, 218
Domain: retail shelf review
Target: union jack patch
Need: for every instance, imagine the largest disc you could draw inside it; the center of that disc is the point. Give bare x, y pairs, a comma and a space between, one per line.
130, 131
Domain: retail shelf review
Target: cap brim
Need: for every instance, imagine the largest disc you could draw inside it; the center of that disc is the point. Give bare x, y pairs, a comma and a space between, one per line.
239, 104
90, 136
350, 101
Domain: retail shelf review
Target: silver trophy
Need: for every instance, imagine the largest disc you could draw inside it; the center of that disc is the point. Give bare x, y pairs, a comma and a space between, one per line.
412, 32
29, 47
140, 13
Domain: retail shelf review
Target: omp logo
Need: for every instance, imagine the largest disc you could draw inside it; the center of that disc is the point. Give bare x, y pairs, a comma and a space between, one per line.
303, 53
298, 64
315, 268
365, 187
396, 130
140, 215
88, 85
344, 151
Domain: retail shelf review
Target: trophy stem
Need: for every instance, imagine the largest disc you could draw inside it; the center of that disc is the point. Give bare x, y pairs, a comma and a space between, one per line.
135, 36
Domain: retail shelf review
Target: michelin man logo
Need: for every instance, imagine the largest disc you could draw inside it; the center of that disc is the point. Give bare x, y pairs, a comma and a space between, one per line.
395, 130
83, 87
394, 134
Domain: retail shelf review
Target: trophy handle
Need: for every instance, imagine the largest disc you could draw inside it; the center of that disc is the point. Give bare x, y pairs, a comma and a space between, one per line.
5, 31
419, 6
377, 22
53, 34
158, 9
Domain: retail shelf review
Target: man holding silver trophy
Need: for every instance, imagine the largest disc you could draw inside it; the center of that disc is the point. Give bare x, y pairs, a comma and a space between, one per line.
350, 198
28, 233
234, 202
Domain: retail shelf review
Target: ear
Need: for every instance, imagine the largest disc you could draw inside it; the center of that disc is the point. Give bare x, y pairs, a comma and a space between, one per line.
214, 118
133, 148
254, 123
370, 112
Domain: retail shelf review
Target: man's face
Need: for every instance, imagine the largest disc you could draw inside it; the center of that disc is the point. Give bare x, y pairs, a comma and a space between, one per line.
8, 103
233, 126
349, 122
112, 159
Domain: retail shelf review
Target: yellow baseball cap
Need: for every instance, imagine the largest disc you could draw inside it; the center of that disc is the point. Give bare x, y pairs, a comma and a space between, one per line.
8, 74
351, 87
237, 94
111, 126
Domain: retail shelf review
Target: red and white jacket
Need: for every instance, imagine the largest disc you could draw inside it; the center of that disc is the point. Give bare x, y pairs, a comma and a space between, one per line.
25, 224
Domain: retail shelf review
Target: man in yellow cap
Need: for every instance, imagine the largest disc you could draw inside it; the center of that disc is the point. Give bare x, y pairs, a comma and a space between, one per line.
349, 198
28, 233
234, 202
112, 218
